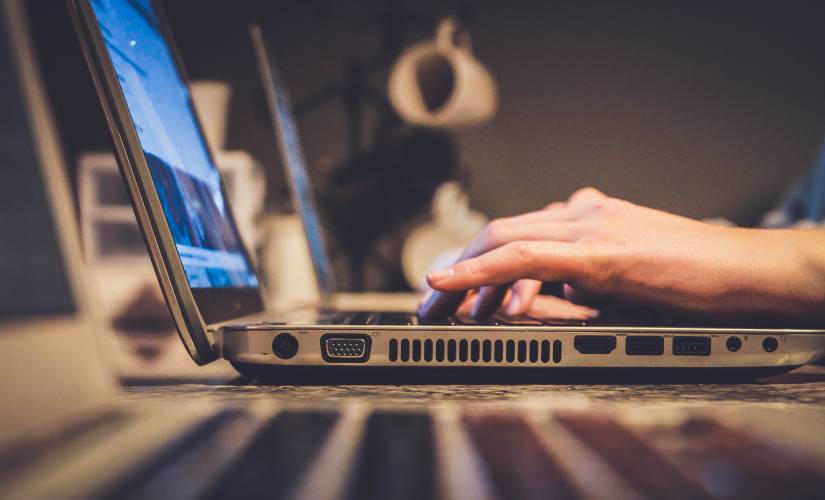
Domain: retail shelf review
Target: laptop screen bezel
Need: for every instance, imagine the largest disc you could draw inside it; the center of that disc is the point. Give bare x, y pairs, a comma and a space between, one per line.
193, 309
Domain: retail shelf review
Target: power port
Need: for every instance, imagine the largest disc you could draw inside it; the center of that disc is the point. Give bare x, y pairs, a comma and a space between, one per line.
645, 345
733, 343
594, 344
285, 346
770, 344
691, 346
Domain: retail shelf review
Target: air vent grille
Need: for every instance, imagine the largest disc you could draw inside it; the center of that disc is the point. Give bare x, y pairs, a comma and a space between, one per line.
473, 350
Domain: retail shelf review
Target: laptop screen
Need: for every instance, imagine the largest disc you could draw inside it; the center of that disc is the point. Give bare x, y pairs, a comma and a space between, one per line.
182, 169
295, 165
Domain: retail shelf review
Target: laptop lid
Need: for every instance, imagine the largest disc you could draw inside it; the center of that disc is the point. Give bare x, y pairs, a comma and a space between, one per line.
51, 367
179, 199
294, 162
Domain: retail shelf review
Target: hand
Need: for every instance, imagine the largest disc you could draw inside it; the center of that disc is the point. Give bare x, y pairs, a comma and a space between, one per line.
540, 306
603, 248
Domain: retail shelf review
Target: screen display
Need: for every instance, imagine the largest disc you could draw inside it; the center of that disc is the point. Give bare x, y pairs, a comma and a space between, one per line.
185, 177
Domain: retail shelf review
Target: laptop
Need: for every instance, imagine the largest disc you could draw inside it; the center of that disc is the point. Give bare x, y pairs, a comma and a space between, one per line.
215, 296
67, 432
62, 432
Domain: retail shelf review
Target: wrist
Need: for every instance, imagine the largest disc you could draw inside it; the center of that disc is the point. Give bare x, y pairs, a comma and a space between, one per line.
796, 261
811, 258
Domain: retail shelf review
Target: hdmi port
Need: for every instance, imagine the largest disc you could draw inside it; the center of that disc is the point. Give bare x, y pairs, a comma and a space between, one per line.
594, 344
345, 348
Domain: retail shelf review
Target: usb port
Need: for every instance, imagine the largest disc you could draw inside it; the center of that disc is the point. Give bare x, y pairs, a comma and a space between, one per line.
691, 346
645, 345
594, 344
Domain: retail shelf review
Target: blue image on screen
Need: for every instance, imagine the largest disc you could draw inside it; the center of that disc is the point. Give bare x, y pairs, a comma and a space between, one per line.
186, 179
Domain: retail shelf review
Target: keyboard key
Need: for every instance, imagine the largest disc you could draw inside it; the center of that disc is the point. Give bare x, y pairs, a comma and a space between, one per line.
519, 465
470, 321
277, 457
631, 456
391, 318
449, 321
518, 321
396, 458
361, 318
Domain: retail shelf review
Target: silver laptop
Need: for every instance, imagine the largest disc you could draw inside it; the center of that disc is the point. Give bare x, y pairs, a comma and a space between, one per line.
62, 432
66, 432
214, 292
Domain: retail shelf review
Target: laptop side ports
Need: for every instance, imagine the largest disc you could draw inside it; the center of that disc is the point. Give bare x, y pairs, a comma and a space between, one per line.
770, 344
691, 346
285, 346
645, 345
594, 344
345, 347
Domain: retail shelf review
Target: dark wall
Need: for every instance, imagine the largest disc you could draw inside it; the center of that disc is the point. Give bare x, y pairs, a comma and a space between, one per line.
708, 108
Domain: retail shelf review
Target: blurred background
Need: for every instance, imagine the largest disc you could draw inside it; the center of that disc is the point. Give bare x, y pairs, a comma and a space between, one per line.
706, 109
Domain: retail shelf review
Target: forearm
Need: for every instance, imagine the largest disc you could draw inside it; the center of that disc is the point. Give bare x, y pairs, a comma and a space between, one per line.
771, 273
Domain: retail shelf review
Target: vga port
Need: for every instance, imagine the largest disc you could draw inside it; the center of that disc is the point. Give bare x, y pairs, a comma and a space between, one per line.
345, 348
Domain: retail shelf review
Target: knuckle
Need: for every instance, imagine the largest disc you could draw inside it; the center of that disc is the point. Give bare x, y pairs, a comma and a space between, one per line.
602, 207
472, 267
600, 271
588, 191
599, 204
585, 194
524, 253
494, 233
583, 230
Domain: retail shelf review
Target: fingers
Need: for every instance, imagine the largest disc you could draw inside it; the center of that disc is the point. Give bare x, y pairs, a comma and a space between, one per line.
524, 294
491, 298
520, 228
550, 225
468, 304
441, 304
583, 297
504, 232
489, 301
539, 260
549, 307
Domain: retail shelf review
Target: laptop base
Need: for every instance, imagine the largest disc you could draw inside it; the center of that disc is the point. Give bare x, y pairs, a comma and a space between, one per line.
381, 375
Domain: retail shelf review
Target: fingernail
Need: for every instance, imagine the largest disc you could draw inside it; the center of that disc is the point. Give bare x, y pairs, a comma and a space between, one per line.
441, 274
514, 307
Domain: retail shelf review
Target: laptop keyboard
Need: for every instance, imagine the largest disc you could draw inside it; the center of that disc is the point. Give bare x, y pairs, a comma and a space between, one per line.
615, 317
493, 452
278, 455
395, 459
407, 319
